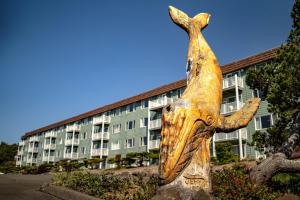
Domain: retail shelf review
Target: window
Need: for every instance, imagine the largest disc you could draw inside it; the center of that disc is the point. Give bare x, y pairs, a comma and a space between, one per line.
129, 143
130, 125
144, 122
130, 108
117, 112
84, 135
143, 141
259, 94
263, 122
82, 150
116, 128
115, 145
144, 104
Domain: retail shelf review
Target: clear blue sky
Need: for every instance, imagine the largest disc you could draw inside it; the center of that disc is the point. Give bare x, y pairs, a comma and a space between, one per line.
64, 57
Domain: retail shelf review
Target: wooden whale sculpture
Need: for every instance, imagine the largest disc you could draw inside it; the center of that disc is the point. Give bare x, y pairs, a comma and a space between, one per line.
189, 123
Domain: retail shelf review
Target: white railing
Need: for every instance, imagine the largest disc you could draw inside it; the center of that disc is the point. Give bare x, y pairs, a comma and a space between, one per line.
34, 139
154, 144
22, 143
49, 146
51, 158
97, 152
231, 136
68, 155
101, 119
230, 107
18, 162
155, 124
97, 136
230, 82
72, 128
158, 103
34, 160
68, 141
51, 134
76, 141
33, 149
20, 151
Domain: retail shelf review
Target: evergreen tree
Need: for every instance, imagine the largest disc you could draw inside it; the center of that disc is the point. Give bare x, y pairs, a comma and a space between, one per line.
280, 82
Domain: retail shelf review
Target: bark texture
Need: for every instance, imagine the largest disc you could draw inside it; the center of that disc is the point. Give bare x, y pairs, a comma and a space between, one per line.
277, 162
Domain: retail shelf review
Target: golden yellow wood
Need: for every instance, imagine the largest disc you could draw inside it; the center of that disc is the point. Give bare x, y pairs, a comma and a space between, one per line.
189, 124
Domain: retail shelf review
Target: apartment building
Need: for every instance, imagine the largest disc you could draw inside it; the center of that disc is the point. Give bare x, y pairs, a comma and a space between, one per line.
134, 124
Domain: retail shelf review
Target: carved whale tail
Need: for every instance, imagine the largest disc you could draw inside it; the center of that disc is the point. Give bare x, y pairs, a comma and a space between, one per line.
184, 21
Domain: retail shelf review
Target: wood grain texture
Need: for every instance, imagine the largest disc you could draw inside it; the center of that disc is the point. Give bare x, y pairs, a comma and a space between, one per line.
189, 123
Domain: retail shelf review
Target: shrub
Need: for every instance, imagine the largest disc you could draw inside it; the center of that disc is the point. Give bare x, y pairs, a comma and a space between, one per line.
235, 184
225, 154
9, 167
286, 182
108, 185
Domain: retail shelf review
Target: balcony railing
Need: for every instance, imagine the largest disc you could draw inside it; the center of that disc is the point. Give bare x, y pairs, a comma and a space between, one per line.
33, 149
22, 143
49, 146
159, 103
231, 83
34, 139
20, 151
68, 142
18, 162
97, 136
97, 152
51, 134
154, 144
101, 119
231, 136
155, 124
51, 158
230, 107
34, 160
73, 128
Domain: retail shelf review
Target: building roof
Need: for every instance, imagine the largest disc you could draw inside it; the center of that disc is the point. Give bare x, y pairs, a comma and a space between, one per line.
231, 67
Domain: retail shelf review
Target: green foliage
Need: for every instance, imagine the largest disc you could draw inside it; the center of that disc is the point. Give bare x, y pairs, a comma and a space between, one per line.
280, 82
7, 152
235, 184
225, 154
9, 167
40, 169
108, 185
286, 182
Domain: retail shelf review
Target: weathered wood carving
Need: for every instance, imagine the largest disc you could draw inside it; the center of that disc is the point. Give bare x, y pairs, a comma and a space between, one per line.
189, 123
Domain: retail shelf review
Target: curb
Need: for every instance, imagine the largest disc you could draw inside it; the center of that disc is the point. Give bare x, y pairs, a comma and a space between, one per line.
65, 193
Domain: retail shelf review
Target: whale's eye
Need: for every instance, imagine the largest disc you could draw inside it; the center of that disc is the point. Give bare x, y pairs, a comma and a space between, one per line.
189, 65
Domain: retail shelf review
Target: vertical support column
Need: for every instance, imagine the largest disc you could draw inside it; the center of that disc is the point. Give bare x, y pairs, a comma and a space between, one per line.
101, 141
238, 107
214, 145
49, 149
32, 153
73, 135
65, 144
93, 129
148, 131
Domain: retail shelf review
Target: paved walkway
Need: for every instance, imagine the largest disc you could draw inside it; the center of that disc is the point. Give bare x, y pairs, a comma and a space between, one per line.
23, 187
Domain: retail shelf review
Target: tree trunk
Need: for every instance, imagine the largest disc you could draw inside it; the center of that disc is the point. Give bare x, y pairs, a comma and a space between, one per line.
278, 162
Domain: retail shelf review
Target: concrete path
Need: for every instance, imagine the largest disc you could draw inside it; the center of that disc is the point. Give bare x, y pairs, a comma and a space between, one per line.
24, 187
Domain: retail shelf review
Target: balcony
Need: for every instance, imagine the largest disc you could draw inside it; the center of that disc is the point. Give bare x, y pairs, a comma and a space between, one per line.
49, 146
97, 136
155, 124
231, 136
230, 83
51, 134
34, 160
18, 162
101, 119
156, 104
69, 142
154, 144
97, 152
33, 149
227, 108
20, 152
73, 128
22, 143
34, 139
